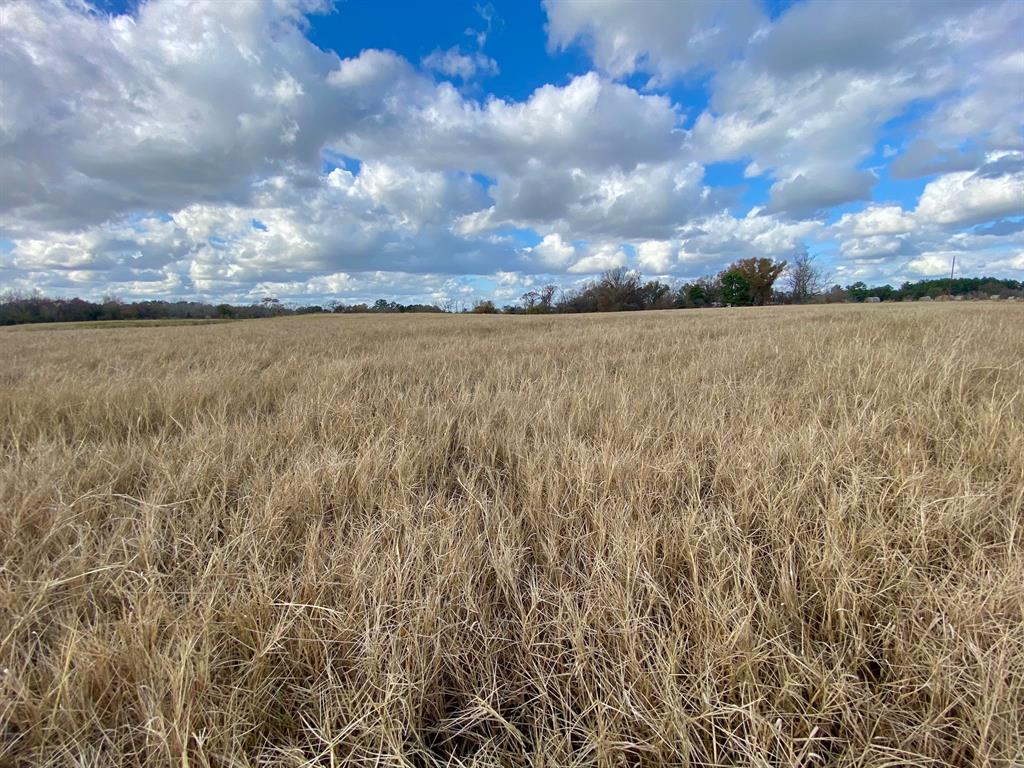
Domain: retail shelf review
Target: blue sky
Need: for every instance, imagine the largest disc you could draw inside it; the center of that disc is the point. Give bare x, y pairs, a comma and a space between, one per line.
414, 151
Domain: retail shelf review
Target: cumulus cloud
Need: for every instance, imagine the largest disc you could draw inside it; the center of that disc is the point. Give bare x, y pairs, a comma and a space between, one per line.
184, 101
605, 256
589, 123
181, 149
877, 220
882, 238
924, 158
666, 39
873, 247
808, 100
658, 256
969, 197
748, 236
930, 264
648, 201
552, 252
806, 194
338, 222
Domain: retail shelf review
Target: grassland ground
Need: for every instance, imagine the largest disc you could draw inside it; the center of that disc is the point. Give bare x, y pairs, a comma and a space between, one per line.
112, 324
770, 537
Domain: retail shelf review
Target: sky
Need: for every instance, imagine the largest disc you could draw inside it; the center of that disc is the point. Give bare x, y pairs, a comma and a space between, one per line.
227, 150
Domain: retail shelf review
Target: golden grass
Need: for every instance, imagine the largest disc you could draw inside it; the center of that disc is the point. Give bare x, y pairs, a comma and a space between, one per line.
111, 324
769, 537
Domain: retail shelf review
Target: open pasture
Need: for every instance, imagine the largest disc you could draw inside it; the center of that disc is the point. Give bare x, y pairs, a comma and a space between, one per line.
772, 537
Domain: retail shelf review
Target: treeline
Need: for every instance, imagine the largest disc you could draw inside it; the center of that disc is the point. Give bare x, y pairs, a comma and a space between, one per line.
967, 287
16, 309
747, 282
382, 305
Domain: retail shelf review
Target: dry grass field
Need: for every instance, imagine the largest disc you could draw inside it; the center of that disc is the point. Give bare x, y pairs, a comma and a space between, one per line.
766, 537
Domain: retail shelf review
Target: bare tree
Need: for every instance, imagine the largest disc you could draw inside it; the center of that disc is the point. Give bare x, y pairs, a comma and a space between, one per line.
547, 296
804, 278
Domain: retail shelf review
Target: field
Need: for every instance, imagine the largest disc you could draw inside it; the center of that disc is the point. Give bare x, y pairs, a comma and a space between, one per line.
111, 324
772, 537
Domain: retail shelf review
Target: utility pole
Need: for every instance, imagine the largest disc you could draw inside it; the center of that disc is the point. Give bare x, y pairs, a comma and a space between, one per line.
951, 268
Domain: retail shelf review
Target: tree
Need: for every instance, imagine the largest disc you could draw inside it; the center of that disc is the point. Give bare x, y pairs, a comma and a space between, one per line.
760, 275
272, 305
655, 295
539, 301
836, 295
736, 288
858, 291
547, 297
578, 300
619, 289
804, 279
884, 292
113, 307
484, 307
699, 293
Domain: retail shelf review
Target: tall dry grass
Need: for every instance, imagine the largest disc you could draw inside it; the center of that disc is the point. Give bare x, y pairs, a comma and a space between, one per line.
771, 537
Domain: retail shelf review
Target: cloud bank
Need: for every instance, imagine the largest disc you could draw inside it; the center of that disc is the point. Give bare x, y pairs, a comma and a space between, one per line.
211, 149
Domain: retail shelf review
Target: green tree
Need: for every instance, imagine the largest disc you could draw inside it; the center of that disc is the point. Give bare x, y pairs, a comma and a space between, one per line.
858, 291
736, 288
760, 275
694, 294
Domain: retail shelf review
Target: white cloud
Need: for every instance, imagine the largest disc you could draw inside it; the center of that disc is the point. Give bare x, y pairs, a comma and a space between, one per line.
657, 256
923, 157
186, 100
874, 247
181, 148
887, 239
1012, 262
553, 252
806, 194
807, 102
663, 38
454, 63
290, 228
590, 123
970, 197
416, 198
931, 264
877, 220
603, 257
647, 201
723, 236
